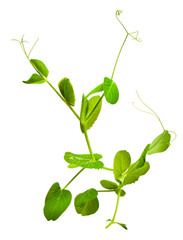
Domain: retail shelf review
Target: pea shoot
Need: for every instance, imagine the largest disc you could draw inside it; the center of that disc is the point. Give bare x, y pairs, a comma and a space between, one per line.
125, 171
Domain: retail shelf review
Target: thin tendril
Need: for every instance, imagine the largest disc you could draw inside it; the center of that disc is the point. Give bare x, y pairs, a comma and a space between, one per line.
21, 42
174, 134
118, 12
33, 47
133, 104
153, 112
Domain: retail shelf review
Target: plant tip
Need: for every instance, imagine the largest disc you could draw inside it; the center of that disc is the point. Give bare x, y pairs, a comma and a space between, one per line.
118, 12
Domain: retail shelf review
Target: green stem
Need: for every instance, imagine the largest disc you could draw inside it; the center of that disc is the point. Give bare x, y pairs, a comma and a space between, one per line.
105, 190
119, 55
73, 178
63, 99
109, 169
89, 145
116, 209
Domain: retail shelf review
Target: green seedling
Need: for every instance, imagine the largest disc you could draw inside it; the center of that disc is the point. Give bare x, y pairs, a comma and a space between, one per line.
124, 171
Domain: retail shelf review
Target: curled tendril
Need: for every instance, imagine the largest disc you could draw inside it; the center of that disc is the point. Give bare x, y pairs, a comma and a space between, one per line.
118, 12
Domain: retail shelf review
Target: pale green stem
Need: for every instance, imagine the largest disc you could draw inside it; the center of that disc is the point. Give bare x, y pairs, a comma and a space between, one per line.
116, 209
105, 190
89, 145
119, 55
109, 169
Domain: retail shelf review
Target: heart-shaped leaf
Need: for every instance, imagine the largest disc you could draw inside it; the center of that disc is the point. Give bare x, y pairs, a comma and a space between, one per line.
56, 202
67, 91
111, 91
35, 79
84, 160
87, 203
160, 143
40, 67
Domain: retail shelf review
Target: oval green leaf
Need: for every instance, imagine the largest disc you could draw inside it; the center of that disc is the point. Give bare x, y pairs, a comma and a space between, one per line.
122, 161
67, 91
40, 67
160, 143
98, 89
108, 184
84, 160
111, 91
87, 203
56, 202
35, 79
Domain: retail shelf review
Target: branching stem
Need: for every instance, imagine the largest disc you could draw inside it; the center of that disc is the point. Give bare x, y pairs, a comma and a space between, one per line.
116, 209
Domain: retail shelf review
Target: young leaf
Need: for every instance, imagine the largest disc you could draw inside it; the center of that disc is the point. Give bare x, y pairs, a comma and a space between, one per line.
108, 184
122, 194
122, 161
90, 110
84, 160
160, 143
141, 160
40, 67
133, 174
121, 224
67, 91
111, 91
35, 79
83, 113
56, 202
99, 88
87, 203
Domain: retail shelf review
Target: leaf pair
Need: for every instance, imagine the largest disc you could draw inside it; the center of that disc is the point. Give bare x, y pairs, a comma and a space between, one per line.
110, 89
87, 203
127, 173
83, 160
56, 202
42, 70
120, 224
65, 86
112, 186
90, 110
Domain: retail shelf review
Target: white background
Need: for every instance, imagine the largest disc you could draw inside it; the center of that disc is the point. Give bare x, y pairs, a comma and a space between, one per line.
80, 40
